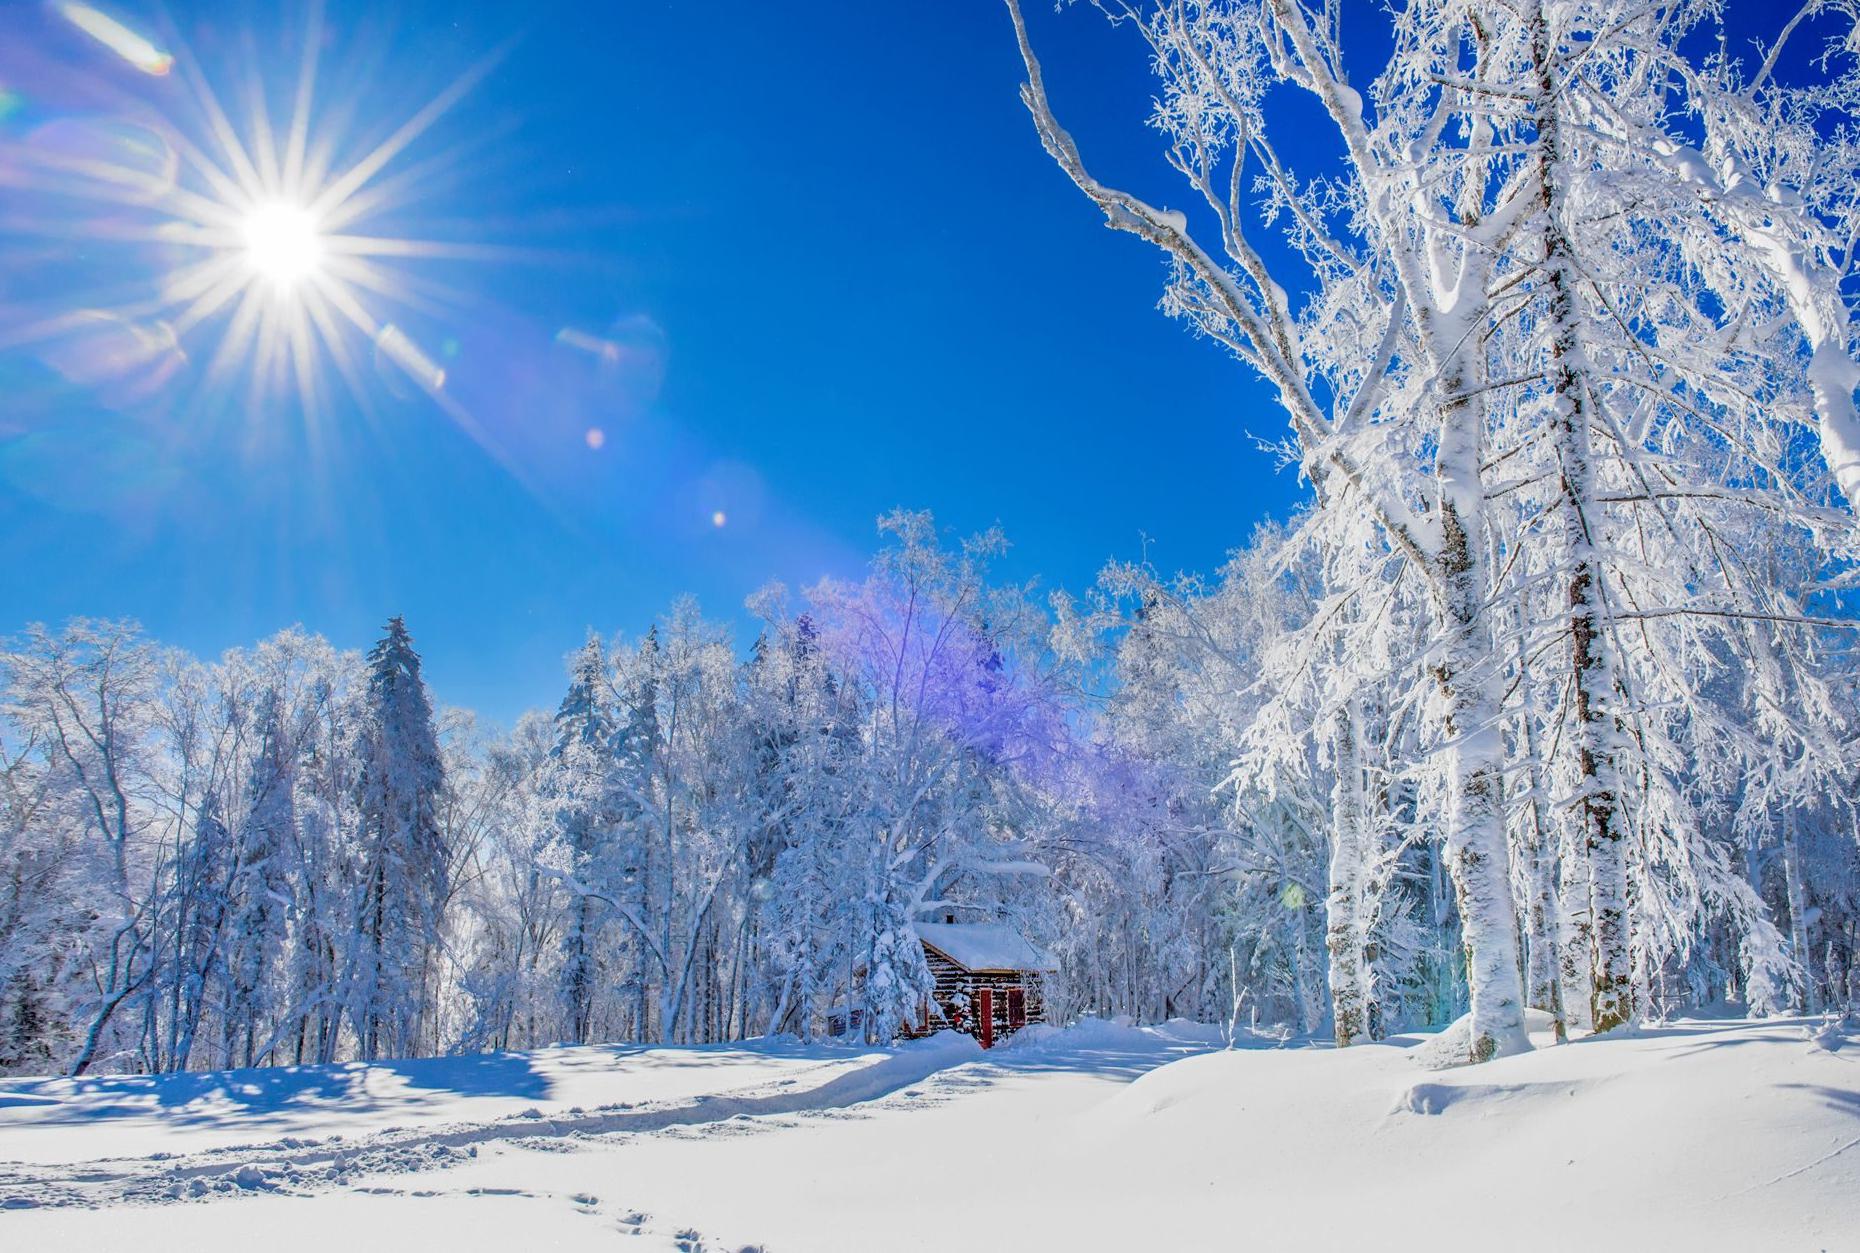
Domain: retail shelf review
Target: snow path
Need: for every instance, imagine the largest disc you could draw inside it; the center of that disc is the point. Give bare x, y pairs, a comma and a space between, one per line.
59, 1120
1703, 1135
301, 1166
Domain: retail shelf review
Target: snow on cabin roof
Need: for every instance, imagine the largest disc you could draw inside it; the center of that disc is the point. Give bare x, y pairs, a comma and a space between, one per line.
983, 946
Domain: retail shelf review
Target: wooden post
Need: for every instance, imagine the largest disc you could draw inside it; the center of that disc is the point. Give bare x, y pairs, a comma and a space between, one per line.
985, 1017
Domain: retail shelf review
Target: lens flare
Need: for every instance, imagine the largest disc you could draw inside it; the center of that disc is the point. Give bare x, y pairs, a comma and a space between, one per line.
118, 38
394, 346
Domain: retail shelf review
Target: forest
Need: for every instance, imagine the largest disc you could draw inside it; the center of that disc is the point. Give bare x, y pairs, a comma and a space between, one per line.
291, 854
1543, 700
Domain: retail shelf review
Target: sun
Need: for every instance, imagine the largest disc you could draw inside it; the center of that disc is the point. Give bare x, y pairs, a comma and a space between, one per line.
283, 244
273, 241
266, 244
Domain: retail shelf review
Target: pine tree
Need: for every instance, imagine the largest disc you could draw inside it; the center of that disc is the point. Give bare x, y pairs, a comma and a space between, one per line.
641, 851
203, 874
401, 854
261, 890
581, 786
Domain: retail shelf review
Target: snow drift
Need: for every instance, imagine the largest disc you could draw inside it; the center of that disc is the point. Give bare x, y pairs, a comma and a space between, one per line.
1713, 1135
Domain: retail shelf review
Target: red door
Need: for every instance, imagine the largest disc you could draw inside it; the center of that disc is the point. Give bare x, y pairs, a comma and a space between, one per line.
985, 1017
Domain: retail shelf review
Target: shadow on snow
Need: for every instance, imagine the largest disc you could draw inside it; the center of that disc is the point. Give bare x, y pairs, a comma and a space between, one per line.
216, 1097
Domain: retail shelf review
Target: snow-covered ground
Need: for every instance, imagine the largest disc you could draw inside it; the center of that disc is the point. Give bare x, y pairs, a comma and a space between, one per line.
1698, 1134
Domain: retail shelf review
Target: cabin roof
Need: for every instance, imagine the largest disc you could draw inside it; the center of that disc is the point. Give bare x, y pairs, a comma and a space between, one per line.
984, 946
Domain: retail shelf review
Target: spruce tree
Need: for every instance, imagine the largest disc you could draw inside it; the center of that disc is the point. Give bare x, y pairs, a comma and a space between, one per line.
401, 852
580, 787
261, 889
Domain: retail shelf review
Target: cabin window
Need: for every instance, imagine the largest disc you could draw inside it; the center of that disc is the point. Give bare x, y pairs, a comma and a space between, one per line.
1017, 1009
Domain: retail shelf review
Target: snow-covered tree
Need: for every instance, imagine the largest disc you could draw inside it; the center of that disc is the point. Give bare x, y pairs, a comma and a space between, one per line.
1555, 349
399, 856
581, 782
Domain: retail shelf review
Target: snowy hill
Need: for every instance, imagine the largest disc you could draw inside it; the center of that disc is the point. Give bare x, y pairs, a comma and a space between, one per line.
1706, 1134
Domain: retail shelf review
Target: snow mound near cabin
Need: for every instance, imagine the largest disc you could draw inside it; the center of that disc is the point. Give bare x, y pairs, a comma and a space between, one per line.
1113, 1033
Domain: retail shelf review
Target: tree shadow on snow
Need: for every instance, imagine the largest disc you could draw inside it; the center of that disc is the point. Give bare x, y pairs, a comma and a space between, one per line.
1843, 1100
1694, 1036
474, 1074
223, 1097
1114, 1053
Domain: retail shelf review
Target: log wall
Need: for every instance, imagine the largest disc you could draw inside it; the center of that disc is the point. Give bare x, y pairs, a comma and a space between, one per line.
955, 1000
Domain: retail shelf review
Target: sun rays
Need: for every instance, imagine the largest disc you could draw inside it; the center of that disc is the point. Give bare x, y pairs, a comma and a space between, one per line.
299, 246
268, 253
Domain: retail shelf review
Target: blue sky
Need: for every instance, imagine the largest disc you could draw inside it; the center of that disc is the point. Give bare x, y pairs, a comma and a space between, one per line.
837, 273
842, 275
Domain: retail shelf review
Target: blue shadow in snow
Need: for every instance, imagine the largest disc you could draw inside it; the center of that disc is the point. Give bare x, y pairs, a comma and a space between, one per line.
217, 1097
1113, 1053
1846, 1100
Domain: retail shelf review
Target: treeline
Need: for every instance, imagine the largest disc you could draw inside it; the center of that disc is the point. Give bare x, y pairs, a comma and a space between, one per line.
288, 855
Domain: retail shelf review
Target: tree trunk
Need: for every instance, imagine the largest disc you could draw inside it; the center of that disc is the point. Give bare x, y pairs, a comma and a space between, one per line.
1478, 856
1594, 731
1798, 911
1577, 939
1542, 984
1343, 935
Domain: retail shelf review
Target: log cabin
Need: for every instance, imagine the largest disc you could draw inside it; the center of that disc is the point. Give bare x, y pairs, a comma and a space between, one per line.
988, 980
